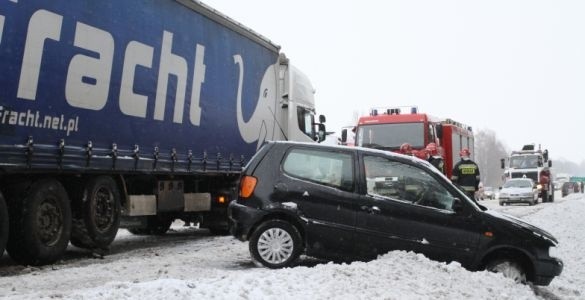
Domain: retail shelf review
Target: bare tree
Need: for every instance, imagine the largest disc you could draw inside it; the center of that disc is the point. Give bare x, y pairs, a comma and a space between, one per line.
488, 152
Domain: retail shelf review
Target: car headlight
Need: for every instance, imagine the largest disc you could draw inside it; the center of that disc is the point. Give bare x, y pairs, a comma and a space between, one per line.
553, 251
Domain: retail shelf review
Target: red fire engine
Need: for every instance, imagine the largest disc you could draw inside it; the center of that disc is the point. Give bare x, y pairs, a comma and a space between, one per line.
388, 128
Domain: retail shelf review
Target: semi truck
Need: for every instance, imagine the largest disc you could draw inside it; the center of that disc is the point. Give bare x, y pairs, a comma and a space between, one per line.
534, 164
132, 114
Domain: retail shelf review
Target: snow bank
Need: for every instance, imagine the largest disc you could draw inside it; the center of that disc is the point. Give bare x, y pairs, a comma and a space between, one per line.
220, 268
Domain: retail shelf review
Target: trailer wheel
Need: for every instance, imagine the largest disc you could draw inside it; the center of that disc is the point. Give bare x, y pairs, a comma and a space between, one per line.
98, 220
40, 224
3, 224
155, 225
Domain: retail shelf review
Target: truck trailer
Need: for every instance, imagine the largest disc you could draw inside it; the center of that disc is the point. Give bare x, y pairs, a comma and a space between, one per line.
132, 114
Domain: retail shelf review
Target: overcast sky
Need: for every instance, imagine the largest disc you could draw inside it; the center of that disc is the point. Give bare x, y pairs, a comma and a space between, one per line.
514, 67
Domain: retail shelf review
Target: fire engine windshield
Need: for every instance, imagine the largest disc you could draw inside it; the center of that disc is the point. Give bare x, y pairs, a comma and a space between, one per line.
391, 136
525, 162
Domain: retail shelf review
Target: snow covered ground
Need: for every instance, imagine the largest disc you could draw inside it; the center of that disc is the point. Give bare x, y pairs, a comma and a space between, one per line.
190, 264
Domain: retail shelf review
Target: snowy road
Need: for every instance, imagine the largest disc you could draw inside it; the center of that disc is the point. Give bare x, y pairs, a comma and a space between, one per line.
189, 263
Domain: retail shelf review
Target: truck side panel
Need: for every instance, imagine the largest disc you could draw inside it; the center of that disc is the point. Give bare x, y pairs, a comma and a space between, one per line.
146, 73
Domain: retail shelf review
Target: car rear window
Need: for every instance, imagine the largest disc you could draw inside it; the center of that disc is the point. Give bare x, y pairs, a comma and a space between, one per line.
329, 168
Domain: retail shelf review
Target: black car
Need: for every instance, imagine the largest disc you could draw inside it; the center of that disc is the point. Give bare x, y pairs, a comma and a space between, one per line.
569, 187
343, 203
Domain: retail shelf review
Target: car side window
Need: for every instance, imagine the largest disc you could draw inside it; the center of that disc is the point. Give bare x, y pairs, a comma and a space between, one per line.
329, 168
404, 182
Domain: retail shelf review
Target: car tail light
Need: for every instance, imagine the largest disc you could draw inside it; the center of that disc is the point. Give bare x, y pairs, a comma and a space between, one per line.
247, 186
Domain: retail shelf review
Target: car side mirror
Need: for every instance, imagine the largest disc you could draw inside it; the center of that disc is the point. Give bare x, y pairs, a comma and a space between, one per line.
321, 134
502, 163
321, 119
344, 135
457, 205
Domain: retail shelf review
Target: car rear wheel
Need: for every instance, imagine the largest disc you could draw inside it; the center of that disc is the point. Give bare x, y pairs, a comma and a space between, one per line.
275, 244
509, 268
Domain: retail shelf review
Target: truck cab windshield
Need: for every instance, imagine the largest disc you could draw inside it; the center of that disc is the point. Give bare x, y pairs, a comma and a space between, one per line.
391, 136
526, 162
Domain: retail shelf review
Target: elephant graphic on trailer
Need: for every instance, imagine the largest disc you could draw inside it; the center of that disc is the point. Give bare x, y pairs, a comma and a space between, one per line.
261, 125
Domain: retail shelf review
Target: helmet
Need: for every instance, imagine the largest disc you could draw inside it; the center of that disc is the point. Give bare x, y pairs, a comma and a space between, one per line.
464, 152
432, 149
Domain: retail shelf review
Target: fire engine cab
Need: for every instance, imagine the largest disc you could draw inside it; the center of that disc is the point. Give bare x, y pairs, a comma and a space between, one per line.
389, 128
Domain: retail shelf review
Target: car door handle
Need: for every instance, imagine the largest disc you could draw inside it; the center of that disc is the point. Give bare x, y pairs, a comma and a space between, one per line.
371, 209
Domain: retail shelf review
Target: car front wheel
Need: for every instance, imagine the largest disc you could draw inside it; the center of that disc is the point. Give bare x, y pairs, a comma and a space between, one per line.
509, 268
275, 244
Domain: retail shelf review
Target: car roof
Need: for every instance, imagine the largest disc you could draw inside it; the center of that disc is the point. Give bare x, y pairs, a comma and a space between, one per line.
398, 156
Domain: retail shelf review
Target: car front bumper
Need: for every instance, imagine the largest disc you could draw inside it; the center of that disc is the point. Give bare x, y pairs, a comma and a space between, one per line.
516, 199
545, 270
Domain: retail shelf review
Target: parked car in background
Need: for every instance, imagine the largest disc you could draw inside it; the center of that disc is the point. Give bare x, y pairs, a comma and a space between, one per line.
519, 190
345, 203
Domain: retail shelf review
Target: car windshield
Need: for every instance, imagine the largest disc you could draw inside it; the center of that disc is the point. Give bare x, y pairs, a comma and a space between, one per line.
518, 184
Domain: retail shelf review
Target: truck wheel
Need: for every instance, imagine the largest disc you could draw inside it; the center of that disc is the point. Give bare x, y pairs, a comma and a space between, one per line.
40, 224
509, 268
97, 222
544, 195
551, 198
275, 244
155, 225
3, 224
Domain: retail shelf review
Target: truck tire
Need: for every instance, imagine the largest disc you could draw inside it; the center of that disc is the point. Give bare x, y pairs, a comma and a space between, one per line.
551, 198
3, 224
40, 224
96, 223
155, 225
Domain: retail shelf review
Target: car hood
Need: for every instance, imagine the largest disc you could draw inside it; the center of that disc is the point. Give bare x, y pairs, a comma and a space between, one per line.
523, 225
516, 190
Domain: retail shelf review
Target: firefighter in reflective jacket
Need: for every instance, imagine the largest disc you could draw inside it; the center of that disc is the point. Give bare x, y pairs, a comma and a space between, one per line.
466, 174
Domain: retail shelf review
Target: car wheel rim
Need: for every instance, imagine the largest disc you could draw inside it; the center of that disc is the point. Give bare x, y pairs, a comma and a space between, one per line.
510, 270
275, 245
